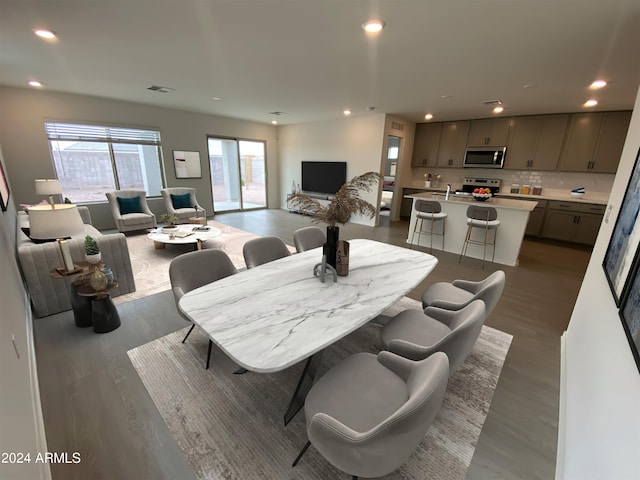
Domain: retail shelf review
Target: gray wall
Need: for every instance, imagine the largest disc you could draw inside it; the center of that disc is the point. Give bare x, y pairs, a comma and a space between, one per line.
27, 155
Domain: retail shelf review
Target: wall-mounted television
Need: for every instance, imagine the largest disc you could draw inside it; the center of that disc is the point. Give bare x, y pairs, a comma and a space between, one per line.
323, 177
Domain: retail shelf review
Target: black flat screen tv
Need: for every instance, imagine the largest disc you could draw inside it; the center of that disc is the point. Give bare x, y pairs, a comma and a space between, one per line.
323, 177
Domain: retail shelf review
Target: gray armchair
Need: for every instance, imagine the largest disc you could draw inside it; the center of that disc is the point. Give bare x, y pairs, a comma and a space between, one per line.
263, 250
176, 203
416, 335
307, 238
195, 269
368, 414
128, 213
460, 293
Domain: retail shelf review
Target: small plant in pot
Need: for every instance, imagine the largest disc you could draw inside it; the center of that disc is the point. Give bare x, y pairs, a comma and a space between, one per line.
92, 250
171, 223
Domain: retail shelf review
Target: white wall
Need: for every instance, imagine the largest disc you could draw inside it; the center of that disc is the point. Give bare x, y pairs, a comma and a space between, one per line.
599, 425
355, 140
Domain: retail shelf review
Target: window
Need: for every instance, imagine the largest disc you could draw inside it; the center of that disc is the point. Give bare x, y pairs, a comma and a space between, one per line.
91, 160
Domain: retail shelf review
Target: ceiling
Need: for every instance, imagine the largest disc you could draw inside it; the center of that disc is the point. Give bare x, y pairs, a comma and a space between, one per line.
311, 59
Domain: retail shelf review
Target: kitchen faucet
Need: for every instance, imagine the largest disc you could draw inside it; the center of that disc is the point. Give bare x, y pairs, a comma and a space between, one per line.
448, 191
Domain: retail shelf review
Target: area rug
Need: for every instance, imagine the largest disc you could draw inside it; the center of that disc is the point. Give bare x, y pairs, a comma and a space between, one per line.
231, 426
151, 266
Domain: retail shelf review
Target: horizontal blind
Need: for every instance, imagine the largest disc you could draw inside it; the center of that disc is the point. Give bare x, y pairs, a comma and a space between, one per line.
96, 133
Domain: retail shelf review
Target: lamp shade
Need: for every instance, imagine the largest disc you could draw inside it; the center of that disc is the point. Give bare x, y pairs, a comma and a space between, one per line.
62, 221
48, 187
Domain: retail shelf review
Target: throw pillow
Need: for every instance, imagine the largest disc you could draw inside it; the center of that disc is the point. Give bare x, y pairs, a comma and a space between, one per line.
129, 205
181, 201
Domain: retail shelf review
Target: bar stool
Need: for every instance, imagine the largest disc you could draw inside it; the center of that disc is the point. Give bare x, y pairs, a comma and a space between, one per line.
432, 211
484, 218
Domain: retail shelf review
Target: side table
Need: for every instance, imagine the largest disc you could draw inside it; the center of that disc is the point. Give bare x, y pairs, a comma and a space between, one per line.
104, 314
198, 220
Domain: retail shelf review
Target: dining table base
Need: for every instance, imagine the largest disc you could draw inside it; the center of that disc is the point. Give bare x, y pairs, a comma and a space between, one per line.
304, 385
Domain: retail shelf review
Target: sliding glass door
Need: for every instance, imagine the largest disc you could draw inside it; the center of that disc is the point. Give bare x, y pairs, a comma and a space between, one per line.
238, 174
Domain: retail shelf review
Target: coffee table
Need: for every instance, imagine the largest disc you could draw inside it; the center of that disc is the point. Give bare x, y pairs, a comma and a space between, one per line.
160, 240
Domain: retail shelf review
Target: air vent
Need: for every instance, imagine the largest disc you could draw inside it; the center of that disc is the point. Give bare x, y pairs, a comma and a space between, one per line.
397, 126
492, 102
278, 113
157, 88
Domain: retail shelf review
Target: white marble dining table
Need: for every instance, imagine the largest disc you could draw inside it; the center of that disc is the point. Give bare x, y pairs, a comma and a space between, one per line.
273, 316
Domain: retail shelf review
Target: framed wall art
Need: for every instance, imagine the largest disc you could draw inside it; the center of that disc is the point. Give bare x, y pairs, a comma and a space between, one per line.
618, 260
187, 164
630, 310
4, 188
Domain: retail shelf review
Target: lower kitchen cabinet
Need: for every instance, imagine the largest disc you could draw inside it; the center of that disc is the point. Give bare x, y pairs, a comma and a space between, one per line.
536, 219
573, 222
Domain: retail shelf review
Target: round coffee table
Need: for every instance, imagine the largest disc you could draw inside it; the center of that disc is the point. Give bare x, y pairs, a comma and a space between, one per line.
183, 236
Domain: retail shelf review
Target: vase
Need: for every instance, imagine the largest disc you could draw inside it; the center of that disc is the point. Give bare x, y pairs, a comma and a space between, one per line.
342, 258
330, 248
94, 258
98, 280
169, 229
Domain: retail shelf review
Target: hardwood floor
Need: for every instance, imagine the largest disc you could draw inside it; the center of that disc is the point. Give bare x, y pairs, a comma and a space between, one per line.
94, 402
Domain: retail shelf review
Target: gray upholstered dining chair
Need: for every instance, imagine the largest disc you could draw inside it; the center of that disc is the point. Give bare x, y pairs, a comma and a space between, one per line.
130, 210
195, 269
369, 413
182, 202
263, 250
416, 335
460, 293
306, 238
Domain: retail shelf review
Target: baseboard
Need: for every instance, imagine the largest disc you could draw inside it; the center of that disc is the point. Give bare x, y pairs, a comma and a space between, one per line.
560, 449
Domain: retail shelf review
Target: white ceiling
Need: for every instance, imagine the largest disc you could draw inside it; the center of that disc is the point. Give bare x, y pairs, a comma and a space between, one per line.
311, 59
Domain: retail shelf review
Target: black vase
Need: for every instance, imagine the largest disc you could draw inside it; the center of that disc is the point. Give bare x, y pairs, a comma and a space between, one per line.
330, 249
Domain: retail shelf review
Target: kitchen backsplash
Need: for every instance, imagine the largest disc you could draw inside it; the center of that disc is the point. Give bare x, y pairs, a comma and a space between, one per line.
597, 182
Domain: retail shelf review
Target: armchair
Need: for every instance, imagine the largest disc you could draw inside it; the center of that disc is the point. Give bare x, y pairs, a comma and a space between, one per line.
176, 203
129, 212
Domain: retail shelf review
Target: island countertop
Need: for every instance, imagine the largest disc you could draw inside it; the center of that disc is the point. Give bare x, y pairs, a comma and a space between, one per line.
508, 203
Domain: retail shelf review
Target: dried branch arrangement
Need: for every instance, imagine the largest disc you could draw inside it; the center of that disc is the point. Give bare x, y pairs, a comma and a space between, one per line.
345, 203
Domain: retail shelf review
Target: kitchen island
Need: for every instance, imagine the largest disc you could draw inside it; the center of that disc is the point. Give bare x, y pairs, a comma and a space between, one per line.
513, 216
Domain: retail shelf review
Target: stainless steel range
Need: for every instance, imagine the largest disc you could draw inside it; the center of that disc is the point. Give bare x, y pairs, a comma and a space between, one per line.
470, 183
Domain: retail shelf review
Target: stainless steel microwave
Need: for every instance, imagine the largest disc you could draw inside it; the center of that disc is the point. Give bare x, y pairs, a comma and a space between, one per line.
484, 157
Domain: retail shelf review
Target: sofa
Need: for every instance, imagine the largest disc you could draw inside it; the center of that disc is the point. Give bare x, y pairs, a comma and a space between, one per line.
51, 295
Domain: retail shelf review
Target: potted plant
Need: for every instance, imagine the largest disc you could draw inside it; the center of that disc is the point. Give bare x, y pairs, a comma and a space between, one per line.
171, 223
340, 209
92, 250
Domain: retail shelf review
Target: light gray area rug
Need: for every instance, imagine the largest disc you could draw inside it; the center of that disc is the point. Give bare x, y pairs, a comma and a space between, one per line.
231, 426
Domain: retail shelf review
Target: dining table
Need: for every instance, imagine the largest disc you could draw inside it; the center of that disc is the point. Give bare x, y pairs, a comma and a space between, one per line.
271, 317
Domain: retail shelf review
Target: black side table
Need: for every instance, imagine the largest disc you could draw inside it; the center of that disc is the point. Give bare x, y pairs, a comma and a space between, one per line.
104, 314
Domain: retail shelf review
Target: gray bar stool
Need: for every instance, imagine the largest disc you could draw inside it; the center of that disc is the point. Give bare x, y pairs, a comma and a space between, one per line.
432, 211
484, 218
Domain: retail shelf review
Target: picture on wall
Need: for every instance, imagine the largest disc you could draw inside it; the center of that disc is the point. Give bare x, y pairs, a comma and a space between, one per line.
625, 238
4, 189
187, 164
630, 310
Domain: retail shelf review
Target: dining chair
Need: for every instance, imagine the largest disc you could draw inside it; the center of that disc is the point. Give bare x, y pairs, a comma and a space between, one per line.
431, 211
263, 250
182, 202
195, 269
485, 219
416, 335
460, 293
369, 413
307, 238
130, 210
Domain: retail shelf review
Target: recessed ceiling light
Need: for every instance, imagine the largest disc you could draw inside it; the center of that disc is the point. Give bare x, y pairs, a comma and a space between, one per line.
373, 26
498, 109
36, 84
590, 103
447, 96
428, 116
275, 122
598, 84
530, 85
46, 34
216, 98
347, 111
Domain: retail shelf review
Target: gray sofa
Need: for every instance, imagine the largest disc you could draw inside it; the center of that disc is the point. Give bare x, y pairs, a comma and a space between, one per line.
50, 295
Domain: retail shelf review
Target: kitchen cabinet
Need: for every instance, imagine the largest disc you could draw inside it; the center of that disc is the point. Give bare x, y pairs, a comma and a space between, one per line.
453, 143
489, 131
536, 216
535, 142
407, 203
426, 144
573, 222
594, 142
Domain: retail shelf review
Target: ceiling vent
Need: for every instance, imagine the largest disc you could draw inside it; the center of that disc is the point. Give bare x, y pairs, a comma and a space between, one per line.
397, 126
157, 88
492, 102
278, 113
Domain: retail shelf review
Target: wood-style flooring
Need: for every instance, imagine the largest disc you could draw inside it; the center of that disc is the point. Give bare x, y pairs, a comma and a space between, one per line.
94, 402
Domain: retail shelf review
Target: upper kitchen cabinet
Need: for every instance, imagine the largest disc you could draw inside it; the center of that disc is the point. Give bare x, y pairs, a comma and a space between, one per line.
535, 142
453, 143
426, 144
594, 142
490, 131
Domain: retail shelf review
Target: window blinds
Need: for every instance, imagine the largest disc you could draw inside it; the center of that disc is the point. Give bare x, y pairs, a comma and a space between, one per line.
97, 133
